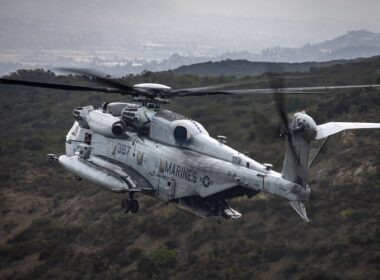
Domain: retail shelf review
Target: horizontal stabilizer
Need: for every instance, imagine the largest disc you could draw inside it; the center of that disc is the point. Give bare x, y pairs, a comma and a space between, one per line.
231, 213
300, 209
327, 129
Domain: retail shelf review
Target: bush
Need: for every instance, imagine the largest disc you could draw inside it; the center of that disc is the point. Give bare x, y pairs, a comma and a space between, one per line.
164, 258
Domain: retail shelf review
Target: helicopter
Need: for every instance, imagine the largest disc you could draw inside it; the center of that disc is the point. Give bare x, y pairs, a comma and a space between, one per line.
139, 147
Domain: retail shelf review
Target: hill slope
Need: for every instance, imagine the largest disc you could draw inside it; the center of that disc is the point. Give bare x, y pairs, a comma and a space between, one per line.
241, 68
353, 44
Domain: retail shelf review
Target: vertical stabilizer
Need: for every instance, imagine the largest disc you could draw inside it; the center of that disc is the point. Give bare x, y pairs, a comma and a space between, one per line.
296, 162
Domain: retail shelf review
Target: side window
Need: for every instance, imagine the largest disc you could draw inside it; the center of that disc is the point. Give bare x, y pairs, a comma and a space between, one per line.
140, 157
87, 138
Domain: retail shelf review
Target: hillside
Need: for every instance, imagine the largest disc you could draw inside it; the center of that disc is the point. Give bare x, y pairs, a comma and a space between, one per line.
353, 44
161, 56
53, 226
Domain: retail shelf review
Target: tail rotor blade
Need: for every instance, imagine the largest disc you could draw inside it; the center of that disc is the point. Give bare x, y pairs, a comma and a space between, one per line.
277, 83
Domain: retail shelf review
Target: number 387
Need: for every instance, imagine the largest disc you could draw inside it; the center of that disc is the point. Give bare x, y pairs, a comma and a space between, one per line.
122, 149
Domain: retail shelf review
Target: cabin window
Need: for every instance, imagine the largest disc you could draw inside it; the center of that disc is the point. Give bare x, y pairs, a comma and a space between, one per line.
140, 157
87, 138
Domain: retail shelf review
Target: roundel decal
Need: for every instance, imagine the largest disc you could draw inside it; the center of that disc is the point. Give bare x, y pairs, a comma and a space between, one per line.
206, 181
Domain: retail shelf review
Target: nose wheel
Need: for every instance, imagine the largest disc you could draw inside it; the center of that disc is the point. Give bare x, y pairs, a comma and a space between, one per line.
130, 205
134, 206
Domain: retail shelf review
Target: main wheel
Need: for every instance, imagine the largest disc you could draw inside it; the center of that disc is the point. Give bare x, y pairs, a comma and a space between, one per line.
126, 205
134, 206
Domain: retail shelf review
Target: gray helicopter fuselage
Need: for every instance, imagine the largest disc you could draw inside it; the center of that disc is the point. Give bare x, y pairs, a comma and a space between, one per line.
171, 167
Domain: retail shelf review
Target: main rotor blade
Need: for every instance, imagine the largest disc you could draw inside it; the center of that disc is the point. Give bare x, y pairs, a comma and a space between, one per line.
125, 89
266, 78
259, 91
58, 86
325, 88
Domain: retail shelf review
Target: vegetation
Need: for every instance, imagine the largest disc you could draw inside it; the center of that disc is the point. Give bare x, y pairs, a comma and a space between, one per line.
250, 67
53, 226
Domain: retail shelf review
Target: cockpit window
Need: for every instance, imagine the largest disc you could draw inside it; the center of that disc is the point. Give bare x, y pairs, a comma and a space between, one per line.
199, 127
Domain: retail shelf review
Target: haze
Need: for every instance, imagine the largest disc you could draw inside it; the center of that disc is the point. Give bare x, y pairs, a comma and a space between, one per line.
348, 11
154, 30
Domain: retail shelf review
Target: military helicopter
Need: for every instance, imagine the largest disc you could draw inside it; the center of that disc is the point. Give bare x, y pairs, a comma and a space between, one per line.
140, 147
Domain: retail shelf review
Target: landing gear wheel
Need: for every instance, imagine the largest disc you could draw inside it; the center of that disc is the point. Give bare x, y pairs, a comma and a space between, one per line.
126, 205
222, 205
134, 206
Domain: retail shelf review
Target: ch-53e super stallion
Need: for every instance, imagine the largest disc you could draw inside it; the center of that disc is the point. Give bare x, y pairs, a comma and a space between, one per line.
139, 147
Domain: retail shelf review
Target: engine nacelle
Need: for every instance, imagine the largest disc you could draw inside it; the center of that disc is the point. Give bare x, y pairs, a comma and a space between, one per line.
99, 122
104, 124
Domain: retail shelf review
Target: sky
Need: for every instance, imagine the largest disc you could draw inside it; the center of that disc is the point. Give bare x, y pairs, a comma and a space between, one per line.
207, 26
340, 14
365, 11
